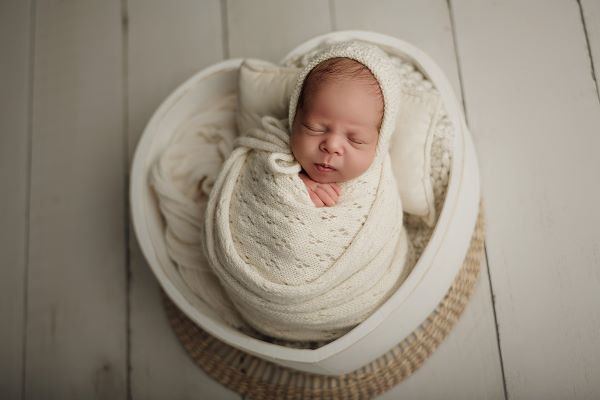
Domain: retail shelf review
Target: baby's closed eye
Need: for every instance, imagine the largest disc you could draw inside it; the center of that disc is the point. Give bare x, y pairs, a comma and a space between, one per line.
312, 128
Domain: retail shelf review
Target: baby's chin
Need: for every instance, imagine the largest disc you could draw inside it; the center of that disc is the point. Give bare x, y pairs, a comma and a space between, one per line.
321, 180
328, 177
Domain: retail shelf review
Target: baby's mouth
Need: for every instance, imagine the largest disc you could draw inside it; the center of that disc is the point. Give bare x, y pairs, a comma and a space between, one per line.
324, 167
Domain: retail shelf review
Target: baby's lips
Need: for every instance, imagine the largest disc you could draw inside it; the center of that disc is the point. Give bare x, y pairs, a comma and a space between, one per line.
327, 165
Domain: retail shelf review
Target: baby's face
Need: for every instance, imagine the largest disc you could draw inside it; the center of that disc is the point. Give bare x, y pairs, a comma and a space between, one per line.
338, 125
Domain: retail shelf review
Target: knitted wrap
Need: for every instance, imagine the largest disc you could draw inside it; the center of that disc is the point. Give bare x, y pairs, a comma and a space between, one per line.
292, 270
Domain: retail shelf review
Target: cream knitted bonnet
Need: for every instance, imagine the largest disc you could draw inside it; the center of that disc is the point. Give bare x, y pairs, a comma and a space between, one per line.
380, 65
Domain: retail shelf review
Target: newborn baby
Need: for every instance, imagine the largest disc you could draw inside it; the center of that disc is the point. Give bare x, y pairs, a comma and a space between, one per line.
292, 268
336, 127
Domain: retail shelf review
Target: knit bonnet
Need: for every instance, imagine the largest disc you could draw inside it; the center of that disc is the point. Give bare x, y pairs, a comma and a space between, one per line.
382, 68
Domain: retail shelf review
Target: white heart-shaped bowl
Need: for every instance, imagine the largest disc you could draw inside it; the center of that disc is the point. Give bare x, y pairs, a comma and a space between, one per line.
404, 311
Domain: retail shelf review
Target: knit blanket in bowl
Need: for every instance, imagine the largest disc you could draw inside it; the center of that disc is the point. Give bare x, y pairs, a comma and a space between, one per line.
292, 270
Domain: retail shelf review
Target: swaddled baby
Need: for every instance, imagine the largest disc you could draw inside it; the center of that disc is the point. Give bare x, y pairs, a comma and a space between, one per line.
294, 269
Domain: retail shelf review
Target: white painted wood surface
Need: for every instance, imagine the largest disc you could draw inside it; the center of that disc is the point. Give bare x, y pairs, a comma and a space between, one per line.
81, 312
269, 29
590, 10
532, 100
167, 43
76, 329
15, 88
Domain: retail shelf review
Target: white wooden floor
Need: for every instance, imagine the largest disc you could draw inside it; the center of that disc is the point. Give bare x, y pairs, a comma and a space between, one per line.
80, 312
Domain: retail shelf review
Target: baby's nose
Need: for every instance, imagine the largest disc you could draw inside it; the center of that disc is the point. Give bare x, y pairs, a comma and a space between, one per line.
332, 144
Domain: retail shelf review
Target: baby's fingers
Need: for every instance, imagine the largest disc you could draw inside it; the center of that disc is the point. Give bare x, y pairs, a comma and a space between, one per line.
328, 187
337, 189
315, 199
324, 195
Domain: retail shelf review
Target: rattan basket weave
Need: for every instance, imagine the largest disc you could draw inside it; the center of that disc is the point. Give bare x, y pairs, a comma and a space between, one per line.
256, 378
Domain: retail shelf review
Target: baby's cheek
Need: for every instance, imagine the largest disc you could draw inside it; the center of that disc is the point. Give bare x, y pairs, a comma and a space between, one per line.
298, 148
363, 162
295, 144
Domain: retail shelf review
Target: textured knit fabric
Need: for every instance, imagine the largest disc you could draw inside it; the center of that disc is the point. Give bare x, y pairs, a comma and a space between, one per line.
292, 270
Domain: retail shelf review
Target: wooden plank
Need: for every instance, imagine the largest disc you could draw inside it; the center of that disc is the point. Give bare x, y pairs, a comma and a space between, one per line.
15, 47
591, 17
471, 348
76, 327
466, 364
269, 29
425, 24
167, 43
533, 102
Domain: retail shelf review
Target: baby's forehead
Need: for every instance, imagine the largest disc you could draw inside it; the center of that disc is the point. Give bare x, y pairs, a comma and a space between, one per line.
341, 71
340, 68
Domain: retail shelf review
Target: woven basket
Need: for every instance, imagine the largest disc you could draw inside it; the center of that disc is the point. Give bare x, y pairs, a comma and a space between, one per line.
257, 378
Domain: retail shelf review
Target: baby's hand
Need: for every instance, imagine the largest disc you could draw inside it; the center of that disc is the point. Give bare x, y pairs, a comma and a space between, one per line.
321, 194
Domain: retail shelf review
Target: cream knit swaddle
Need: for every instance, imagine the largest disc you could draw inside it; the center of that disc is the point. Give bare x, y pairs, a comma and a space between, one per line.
292, 270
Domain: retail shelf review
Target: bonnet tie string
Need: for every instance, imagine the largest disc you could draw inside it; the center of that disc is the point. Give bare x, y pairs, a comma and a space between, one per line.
274, 137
